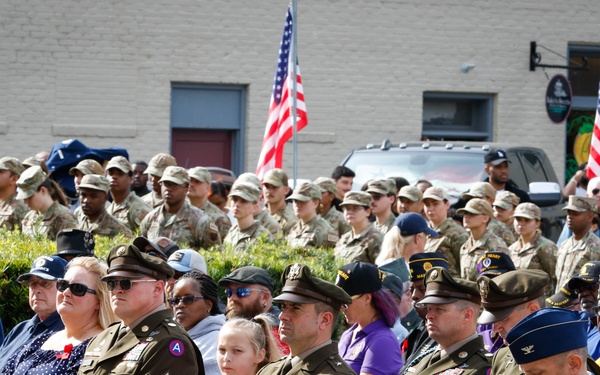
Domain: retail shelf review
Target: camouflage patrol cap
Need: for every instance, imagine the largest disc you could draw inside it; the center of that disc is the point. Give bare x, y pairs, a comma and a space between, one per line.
480, 190
502, 294
358, 198
383, 187
87, 166
158, 163
494, 263
300, 286
436, 193
581, 204
443, 288
477, 206
121, 163
95, 182
305, 192
411, 192
201, 174
326, 184
31, 161
177, 175
29, 181
128, 261
420, 263
74, 242
564, 298
506, 200
249, 178
528, 210
245, 190
11, 164
275, 177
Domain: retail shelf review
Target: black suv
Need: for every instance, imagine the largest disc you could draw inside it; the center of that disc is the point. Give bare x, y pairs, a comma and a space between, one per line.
455, 167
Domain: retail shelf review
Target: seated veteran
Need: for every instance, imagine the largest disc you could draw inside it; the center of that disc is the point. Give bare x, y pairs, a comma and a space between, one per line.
565, 298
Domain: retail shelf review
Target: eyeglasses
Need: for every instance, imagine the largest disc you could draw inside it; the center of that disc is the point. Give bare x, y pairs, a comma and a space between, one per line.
125, 284
241, 292
77, 289
45, 284
187, 300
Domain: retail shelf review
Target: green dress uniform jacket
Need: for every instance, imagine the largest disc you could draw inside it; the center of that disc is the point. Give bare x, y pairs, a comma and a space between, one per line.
469, 359
503, 363
157, 345
130, 212
326, 360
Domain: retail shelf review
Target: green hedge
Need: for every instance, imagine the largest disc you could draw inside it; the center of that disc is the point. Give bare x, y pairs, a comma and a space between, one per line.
17, 253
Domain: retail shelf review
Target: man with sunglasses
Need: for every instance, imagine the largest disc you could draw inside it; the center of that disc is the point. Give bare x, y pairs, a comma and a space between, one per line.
586, 285
41, 280
384, 195
147, 340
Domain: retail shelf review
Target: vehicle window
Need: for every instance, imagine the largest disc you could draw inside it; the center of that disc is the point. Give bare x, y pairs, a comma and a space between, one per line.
533, 169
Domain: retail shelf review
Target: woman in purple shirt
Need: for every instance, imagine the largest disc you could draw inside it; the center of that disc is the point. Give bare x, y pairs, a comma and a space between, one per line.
369, 345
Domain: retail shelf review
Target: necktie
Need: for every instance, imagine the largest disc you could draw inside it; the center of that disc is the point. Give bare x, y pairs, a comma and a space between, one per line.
122, 332
287, 366
435, 357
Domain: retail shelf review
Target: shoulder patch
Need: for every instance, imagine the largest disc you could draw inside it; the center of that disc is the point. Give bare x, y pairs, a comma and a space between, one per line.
176, 348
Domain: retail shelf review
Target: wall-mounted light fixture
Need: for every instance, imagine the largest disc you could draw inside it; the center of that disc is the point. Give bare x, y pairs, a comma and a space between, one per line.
466, 67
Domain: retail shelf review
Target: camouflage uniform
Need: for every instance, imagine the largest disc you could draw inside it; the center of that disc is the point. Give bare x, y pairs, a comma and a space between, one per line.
502, 230
105, 225
55, 219
573, 254
12, 212
266, 220
242, 238
152, 199
539, 254
315, 233
130, 212
337, 221
189, 225
219, 217
452, 237
385, 226
364, 247
286, 219
472, 250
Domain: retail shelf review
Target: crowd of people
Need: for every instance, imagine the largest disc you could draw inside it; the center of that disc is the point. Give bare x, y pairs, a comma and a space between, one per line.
428, 287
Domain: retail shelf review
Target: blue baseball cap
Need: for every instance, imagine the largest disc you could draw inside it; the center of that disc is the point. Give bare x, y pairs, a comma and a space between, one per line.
47, 268
411, 223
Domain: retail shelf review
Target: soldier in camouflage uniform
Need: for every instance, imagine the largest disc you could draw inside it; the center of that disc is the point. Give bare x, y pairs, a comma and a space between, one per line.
93, 194
155, 170
200, 179
275, 189
327, 208
311, 230
176, 218
126, 206
583, 246
384, 194
451, 235
363, 242
409, 200
504, 208
532, 250
244, 197
47, 216
12, 210
477, 214
260, 212
86, 166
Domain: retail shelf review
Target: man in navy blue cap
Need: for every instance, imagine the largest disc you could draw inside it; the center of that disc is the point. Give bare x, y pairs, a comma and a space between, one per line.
496, 166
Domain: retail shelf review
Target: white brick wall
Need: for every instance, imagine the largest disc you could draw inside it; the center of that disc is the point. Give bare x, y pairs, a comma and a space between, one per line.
107, 66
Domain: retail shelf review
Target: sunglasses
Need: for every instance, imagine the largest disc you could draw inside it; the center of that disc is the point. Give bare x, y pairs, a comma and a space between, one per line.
376, 197
595, 191
187, 300
125, 284
241, 292
46, 284
77, 289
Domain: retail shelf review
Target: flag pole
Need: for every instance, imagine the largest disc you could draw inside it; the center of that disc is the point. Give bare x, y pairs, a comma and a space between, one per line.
294, 102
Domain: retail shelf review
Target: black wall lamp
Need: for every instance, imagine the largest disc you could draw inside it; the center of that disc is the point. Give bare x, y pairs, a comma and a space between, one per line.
535, 58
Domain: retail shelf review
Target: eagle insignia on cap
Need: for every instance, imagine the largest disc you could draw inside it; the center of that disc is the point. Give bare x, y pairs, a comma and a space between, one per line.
434, 275
487, 262
121, 251
88, 238
484, 288
528, 350
294, 272
40, 263
583, 270
427, 266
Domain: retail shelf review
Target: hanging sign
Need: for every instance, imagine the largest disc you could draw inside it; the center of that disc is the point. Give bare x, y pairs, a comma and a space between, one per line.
558, 98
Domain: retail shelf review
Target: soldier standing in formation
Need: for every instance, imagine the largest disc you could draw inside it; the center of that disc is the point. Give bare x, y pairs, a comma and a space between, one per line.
244, 198
200, 179
12, 210
328, 209
384, 195
275, 190
155, 170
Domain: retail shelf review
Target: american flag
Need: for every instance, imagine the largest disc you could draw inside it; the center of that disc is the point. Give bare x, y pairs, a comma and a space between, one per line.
279, 123
593, 169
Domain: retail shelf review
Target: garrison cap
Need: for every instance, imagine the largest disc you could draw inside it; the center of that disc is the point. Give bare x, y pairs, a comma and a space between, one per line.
249, 275
547, 332
87, 166
477, 206
528, 211
506, 200
359, 278
480, 190
29, 181
249, 178
588, 274
494, 263
201, 174
502, 294
121, 163
129, 261
443, 288
436, 193
11, 164
158, 163
420, 263
495, 156
397, 267
300, 286
383, 187
411, 223
161, 247
564, 297
245, 190
305, 192
411, 192
176, 175
47, 268
581, 204
358, 198
95, 182
394, 284
326, 184
74, 242
275, 177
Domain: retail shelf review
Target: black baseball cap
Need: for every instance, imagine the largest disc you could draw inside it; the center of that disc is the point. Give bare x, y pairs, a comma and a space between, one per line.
249, 275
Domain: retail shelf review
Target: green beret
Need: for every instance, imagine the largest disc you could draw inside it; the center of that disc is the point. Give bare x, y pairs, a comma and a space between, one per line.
128, 261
